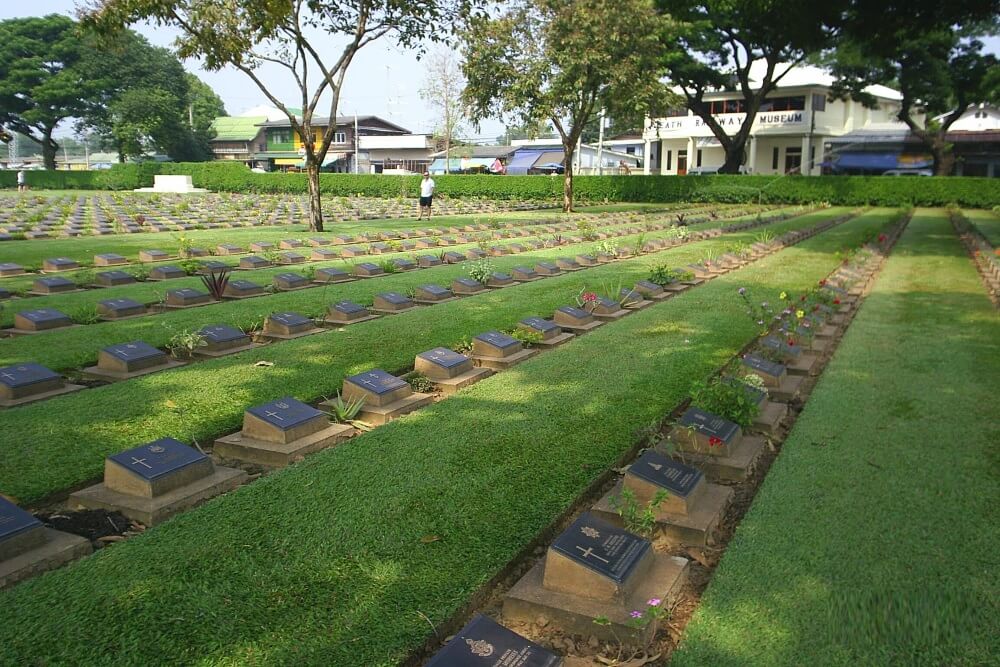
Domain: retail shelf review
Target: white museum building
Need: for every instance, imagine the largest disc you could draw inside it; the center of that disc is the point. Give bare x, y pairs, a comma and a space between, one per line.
787, 136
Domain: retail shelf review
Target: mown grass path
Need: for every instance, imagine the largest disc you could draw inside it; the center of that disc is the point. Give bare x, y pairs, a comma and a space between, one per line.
331, 561
874, 539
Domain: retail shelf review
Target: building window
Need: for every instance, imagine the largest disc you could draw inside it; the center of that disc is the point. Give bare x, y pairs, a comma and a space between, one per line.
819, 102
630, 150
670, 160
698, 158
774, 159
340, 137
795, 103
280, 136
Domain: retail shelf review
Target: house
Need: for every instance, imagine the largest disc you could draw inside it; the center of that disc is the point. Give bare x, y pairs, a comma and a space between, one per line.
975, 138
238, 138
395, 153
536, 156
471, 158
788, 134
284, 150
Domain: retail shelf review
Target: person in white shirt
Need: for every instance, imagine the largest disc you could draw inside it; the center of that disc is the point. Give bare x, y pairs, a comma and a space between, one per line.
21, 183
426, 195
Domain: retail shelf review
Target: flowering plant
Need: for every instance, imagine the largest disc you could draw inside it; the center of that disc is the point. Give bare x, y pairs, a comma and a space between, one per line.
586, 299
654, 611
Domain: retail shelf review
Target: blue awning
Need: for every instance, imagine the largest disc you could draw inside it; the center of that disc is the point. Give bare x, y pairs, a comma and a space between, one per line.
878, 161
522, 161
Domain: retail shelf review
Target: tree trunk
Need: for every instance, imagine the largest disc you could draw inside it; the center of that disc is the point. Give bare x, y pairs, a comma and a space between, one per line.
568, 180
944, 157
49, 149
735, 154
315, 204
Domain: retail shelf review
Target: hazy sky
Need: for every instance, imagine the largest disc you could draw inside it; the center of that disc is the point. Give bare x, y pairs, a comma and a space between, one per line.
384, 80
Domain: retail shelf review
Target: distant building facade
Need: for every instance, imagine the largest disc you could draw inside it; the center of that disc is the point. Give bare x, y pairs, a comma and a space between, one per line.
788, 133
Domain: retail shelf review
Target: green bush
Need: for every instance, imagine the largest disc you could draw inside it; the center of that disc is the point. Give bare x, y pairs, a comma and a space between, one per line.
840, 190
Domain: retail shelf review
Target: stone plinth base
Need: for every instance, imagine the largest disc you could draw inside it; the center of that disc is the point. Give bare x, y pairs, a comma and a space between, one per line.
278, 455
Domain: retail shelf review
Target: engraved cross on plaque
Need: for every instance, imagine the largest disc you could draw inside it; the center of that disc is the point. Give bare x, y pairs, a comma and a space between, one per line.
142, 462
589, 551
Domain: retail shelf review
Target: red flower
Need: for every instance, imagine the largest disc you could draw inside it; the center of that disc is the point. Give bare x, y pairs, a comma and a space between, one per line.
791, 342
714, 442
836, 301
589, 296
822, 283
882, 238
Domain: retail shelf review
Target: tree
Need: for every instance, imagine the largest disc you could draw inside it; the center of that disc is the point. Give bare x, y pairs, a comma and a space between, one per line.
244, 34
442, 90
41, 82
204, 106
712, 45
932, 56
563, 61
531, 130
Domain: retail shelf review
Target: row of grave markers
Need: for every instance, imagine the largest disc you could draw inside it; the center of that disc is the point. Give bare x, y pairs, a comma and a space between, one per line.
984, 255
597, 570
154, 481
29, 382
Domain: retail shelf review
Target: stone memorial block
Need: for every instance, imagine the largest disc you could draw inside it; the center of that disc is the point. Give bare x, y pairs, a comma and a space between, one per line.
168, 272
596, 570
43, 319
24, 383
607, 309
212, 266
575, 320
448, 370
261, 246
187, 298
379, 248
253, 262
702, 432
797, 361
427, 261
323, 254
523, 274
424, 244
114, 278
57, 264
109, 259
194, 252
388, 235
27, 547
331, 275
653, 472
432, 294
127, 360
499, 279
5, 294
368, 270
348, 312
547, 269
499, 351
221, 339
485, 643
352, 251
241, 289
518, 247
651, 290
291, 258
772, 373
8, 269
343, 238
290, 281
290, 244
551, 333
404, 264
568, 264
586, 260
392, 302
283, 421
289, 325
52, 285
155, 481
500, 250
316, 241
385, 396
454, 258
229, 249
467, 286
632, 299
113, 309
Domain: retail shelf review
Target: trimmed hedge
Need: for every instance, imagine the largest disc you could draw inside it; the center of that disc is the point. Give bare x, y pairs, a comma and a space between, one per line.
840, 190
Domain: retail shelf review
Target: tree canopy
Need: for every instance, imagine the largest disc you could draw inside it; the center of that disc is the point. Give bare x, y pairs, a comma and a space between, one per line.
563, 61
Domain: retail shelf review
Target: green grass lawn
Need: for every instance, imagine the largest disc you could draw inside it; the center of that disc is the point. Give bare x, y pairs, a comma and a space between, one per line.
874, 539
76, 347
987, 222
213, 394
324, 563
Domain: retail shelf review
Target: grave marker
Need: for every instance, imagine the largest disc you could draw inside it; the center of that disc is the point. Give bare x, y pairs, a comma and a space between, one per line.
42, 319
168, 272
242, 289
467, 286
287, 282
485, 643
114, 278
432, 294
348, 312
187, 297
109, 259
27, 547
385, 396
498, 351
288, 325
52, 286
331, 275
368, 270
222, 339
114, 309
575, 320
552, 334
392, 302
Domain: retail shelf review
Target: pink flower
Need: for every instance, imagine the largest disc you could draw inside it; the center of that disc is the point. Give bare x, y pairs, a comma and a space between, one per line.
654, 602
636, 614
589, 297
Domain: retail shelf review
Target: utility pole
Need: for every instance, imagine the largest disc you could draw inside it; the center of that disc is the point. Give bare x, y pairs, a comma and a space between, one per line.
191, 115
600, 147
357, 144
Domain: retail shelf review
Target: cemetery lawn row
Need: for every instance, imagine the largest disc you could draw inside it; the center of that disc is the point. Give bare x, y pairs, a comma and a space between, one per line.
77, 347
987, 222
43, 455
340, 559
31, 253
874, 539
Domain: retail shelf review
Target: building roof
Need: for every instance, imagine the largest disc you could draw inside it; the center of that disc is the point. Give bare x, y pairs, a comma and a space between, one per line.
341, 120
480, 151
237, 128
269, 112
805, 76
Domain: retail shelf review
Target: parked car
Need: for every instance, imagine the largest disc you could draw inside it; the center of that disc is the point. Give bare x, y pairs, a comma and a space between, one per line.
908, 172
